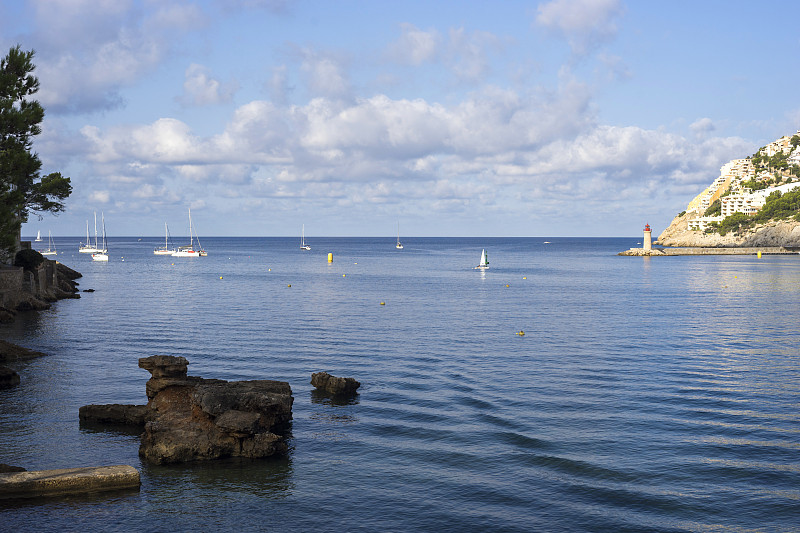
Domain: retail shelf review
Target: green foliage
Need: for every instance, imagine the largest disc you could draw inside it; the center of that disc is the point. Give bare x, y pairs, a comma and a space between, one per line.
22, 190
794, 141
733, 222
779, 206
754, 185
714, 209
681, 213
28, 259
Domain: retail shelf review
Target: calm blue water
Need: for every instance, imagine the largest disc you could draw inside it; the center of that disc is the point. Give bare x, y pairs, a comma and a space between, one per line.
648, 394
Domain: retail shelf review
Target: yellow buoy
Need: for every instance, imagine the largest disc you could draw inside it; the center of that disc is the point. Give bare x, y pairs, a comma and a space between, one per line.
507, 285
521, 333
269, 270
220, 277
759, 255
525, 277
383, 303
343, 275
330, 257
289, 285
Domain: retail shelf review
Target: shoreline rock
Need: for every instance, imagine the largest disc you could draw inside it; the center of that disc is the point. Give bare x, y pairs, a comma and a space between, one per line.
189, 418
785, 233
334, 385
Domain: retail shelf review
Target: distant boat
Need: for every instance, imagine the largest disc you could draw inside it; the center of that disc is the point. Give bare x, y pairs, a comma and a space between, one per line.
189, 251
399, 244
51, 250
102, 254
38, 236
484, 264
166, 250
303, 245
87, 248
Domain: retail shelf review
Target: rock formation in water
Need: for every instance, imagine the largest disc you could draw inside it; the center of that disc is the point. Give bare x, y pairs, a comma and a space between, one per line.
334, 385
190, 418
11, 352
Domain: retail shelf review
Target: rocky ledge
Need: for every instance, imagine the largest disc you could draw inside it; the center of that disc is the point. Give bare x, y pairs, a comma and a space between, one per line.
784, 233
334, 385
190, 418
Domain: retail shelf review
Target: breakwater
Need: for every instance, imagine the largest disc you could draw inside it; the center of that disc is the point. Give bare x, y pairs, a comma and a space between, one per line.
697, 250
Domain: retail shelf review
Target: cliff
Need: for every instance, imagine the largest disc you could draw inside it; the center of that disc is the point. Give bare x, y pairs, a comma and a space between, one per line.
774, 233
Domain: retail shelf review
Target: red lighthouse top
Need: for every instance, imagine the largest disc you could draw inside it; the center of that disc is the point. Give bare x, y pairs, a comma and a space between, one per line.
647, 227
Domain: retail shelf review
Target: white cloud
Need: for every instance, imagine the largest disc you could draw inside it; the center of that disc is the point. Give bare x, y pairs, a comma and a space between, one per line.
325, 74
200, 88
89, 50
585, 24
415, 46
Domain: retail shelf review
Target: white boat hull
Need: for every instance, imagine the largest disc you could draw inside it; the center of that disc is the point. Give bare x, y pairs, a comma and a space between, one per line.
49, 252
164, 252
188, 253
100, 257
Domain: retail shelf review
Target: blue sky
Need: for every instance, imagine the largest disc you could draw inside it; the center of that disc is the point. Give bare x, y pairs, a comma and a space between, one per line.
559, 118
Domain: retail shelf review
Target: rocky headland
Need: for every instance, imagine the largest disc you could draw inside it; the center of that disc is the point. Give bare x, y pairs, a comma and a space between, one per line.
782, 233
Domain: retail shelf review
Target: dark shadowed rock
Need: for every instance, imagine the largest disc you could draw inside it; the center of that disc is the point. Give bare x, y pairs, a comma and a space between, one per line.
334, 385
12, 352
8, 378
115, 413
4, 468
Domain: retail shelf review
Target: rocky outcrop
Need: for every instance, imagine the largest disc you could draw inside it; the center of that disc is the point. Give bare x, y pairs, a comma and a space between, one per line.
192, 418
784, 233
8, 378
115, 413
5, 469
34, 286
334, 385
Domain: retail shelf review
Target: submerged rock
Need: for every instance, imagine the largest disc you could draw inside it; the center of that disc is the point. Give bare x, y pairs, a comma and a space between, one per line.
8, 378
334, 385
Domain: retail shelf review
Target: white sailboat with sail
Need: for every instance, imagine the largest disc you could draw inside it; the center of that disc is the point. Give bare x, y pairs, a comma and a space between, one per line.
303, 245
399, 244
51, 249
166, 250
102, 254
484, 264
190, 251
38, 236
87, 248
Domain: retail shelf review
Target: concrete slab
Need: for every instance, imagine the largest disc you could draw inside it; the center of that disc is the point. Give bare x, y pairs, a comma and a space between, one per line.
68, 481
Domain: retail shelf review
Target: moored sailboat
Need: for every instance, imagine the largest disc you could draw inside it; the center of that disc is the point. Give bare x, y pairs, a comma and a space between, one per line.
87, 248
190, 251
399, 244
166, 250
102, 253
51, 249
303, 245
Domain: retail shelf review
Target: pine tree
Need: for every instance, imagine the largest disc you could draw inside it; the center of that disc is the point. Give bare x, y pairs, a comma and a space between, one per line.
22, 189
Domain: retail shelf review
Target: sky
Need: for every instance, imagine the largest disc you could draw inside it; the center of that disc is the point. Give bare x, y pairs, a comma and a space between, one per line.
469, 118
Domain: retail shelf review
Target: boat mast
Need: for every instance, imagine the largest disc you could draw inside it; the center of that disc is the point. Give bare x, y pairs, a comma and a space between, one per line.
95, 230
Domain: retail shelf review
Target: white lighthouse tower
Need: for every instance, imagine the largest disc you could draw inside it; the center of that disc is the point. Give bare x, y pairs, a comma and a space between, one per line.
648, 241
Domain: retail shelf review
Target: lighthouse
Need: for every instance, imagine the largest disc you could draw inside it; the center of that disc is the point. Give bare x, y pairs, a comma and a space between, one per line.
648, 243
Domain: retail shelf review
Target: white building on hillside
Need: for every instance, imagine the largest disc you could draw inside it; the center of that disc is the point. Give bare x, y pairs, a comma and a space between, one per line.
750, 203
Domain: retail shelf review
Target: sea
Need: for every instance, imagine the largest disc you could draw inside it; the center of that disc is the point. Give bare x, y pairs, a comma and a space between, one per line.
646, 394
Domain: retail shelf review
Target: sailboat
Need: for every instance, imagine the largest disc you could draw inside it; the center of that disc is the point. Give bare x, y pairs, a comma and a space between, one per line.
51, 250
166, 250
399, 244
189, 251
87, 248
303, 245
102, 254
484, 264
38, 236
